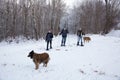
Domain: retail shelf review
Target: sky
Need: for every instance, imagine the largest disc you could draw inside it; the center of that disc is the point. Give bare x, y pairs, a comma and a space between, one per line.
70, 3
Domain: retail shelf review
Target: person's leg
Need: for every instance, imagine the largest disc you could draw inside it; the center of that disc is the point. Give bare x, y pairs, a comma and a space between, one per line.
78, 40
64, 40
81, 41
50, 44
47, 45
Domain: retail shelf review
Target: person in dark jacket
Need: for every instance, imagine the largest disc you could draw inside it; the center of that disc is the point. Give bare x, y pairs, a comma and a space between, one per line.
49, 37
80, 37
64, 33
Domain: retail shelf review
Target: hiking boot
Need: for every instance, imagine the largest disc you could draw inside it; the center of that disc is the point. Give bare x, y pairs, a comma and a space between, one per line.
47, 49
50, 47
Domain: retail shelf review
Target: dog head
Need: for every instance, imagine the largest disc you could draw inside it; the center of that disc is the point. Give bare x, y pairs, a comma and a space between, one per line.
31, 54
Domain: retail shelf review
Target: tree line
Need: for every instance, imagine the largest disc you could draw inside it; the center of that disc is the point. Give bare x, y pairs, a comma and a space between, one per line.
95, 16
29, 18
33, 18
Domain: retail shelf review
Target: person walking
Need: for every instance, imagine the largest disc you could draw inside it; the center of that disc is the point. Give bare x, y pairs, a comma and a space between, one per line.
64, 33
80, 37
49, 37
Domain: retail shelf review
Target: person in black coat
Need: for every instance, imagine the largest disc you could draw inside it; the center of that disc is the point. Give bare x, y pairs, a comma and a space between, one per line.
80, 37
64, 33
49, 37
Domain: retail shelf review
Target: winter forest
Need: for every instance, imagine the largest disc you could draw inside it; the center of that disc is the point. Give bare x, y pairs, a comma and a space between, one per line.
33, 18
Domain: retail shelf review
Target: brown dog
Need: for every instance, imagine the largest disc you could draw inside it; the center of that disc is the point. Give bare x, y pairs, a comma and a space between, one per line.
39, 58
87, 39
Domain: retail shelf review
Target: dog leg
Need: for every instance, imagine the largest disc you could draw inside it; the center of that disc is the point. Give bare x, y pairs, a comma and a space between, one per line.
44, 65
36, 66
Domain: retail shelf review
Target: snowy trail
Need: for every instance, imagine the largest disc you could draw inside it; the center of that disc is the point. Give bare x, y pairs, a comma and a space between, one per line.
97, 60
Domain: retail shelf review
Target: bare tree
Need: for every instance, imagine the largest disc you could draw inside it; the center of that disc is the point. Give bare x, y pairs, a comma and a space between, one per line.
112, 12
29, 18
57, 8
93, 17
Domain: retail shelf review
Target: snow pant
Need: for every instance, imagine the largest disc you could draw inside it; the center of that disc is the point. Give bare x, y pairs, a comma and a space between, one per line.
63, 41
49, 42
79, 40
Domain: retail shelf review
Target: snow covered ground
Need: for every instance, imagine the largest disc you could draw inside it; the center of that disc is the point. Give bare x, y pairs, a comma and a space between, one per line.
97, 60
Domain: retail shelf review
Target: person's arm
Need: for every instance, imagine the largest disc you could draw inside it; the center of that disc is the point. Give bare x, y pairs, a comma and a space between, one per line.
83, 33
61, 32
51, 35
67, 31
